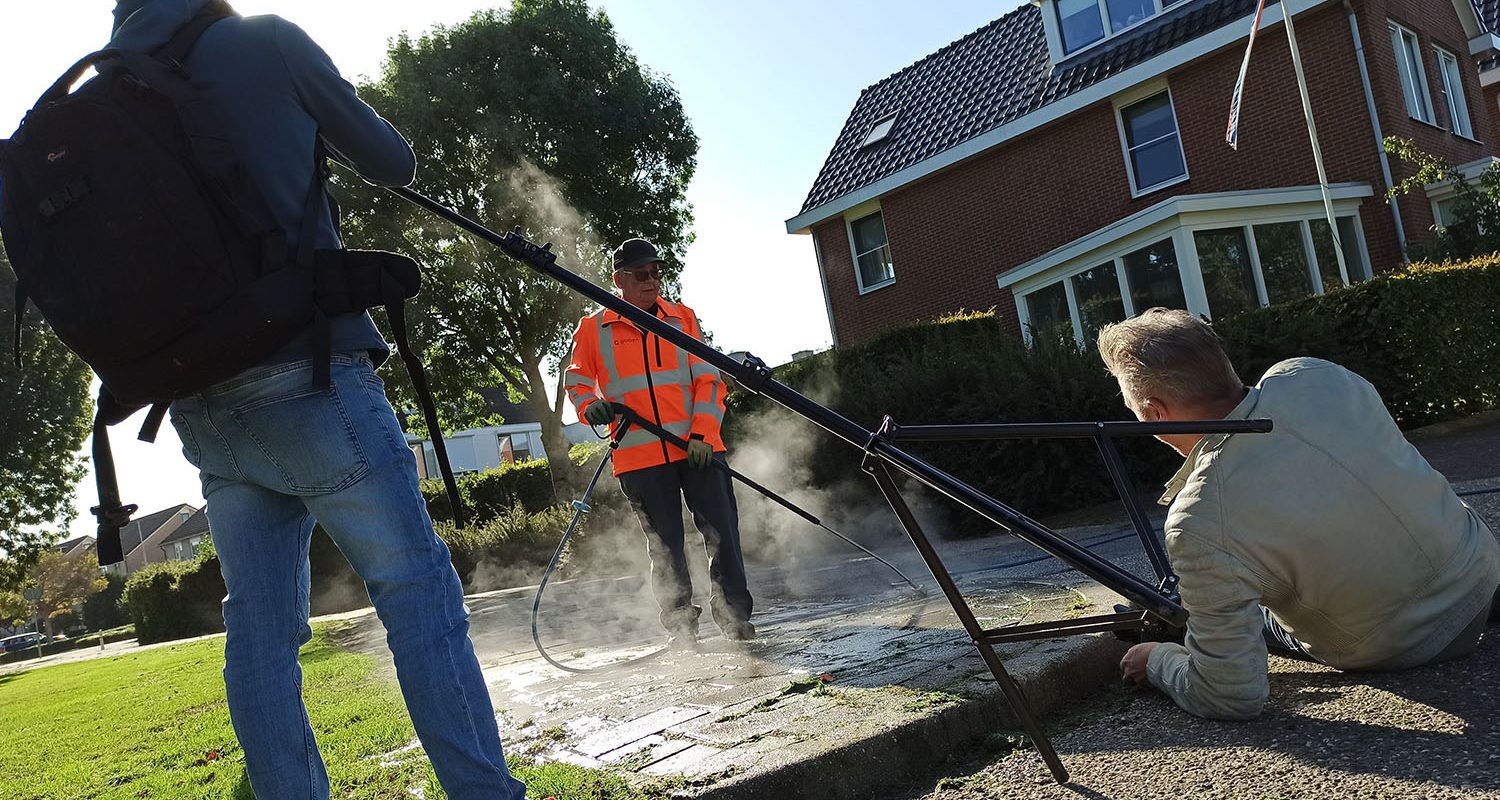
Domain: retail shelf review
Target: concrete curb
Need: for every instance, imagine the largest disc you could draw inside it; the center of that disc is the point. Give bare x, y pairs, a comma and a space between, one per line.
1440, 429
1050, 675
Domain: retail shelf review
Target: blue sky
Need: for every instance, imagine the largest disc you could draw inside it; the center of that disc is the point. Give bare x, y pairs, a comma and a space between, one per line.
767, 86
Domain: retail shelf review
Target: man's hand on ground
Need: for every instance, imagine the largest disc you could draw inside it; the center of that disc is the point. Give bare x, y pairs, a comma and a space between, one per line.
598, 412
699, 454
1133, 665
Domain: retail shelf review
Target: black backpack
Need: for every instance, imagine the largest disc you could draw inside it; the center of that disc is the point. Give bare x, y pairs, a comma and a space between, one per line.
132, 226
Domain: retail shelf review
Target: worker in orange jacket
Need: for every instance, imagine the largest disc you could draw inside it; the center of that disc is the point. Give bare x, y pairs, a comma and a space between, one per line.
616, 362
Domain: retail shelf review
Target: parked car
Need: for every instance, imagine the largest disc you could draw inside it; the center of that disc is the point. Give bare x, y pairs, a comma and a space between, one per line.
21, 641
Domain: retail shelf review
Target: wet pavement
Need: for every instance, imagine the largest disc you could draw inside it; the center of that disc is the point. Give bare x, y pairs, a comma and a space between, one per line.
845, 653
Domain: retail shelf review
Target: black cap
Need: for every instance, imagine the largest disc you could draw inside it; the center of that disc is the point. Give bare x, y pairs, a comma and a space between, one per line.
635, 253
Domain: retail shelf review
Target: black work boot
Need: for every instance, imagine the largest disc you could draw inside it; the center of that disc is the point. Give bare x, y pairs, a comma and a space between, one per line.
682, 628
738, 630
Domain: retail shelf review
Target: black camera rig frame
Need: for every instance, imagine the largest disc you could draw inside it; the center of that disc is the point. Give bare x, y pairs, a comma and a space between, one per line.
1151, 604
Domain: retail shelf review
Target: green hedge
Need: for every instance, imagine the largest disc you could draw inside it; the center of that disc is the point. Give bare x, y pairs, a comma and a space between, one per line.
966, 368
489, 493
509, 549
175, 600
106, 609
1428, 339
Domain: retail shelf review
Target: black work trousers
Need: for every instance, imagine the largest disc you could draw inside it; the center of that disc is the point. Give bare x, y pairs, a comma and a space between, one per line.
656, 494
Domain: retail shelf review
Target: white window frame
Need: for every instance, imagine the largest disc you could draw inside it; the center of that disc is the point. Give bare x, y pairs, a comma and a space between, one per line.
1460, 123
1185, 244
1136, 97
854, 215
1109, 31
1413, 76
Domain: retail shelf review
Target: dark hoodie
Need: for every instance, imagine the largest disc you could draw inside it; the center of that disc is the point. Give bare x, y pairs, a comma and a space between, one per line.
275, 90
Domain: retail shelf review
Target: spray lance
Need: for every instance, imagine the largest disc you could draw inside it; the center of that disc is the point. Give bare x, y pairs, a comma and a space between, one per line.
628, 419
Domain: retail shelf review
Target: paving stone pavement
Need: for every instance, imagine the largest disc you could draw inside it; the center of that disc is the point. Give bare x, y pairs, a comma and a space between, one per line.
838, 660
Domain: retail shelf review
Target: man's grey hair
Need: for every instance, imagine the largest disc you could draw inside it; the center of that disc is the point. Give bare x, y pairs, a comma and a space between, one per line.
1170, 354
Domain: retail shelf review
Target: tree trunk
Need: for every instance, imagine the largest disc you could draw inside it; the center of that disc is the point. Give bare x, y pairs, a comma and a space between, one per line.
553, 440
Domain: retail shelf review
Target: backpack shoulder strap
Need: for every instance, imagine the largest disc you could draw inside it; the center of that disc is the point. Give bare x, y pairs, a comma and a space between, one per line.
181, 43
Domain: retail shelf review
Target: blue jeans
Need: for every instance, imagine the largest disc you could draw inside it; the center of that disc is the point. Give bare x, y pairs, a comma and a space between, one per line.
274, 455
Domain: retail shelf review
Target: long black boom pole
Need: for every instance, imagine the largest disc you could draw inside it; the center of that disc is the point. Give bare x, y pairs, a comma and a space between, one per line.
756, 376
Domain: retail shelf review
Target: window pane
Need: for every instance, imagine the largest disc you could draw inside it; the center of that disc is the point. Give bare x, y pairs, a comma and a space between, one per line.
1048, 310
1283, 264
869, 233
1124, 13
1098, 294
1080, 22
875, 267
1353, 255
1153, 277
1228, 277
1151, 135
1445, 212
1148, 120
1157, 163
1328, 265
1423, 106
1403, 68
1458, 108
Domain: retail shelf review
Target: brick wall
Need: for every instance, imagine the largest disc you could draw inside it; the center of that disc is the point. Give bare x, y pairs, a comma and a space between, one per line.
952, 234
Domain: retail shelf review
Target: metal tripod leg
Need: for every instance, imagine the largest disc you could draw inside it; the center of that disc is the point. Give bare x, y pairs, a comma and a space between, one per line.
1008, 687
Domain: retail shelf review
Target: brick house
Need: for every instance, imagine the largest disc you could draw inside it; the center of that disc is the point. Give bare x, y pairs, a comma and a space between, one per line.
1066, 163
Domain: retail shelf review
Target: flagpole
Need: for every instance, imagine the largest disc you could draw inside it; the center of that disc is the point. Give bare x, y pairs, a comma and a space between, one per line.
1312, 132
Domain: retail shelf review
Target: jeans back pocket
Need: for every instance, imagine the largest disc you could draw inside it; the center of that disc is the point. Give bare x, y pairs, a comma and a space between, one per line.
306, 436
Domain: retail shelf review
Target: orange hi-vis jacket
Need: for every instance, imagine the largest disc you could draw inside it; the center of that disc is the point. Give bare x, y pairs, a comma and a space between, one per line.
614, 360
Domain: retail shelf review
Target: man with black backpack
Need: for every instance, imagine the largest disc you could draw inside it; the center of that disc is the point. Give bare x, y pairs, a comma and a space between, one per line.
270, 357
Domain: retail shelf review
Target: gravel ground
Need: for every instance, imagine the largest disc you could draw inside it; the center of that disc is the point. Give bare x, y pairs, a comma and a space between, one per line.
1429, 733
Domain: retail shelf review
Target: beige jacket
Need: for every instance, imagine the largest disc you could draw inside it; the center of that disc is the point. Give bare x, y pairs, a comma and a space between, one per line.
1335, 523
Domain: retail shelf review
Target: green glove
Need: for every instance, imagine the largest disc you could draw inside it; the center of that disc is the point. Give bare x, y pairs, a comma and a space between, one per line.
699, 453
599, 412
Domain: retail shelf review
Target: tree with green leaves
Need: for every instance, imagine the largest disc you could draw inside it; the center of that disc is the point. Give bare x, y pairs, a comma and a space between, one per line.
14, 609
65, 581
45, 412
1473, 225
537, 117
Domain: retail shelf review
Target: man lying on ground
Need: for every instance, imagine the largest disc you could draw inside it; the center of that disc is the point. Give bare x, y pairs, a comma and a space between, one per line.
1329, 539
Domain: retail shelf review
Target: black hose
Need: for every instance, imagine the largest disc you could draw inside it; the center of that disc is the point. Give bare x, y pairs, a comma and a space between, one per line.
580, 507
633, 418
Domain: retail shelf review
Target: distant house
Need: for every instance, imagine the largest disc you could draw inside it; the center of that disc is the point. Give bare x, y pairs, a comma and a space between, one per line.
76, 547
182, 544
1066, 164
141, 539
519, 438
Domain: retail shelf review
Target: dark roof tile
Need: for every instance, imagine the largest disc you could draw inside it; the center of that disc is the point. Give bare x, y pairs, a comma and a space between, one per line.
193, 526
993, 76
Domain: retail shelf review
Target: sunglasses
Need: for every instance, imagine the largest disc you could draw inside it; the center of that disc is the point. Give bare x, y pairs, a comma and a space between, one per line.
643, 275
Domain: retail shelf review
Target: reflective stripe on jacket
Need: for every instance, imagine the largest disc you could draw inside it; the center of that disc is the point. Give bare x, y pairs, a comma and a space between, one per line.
614, 360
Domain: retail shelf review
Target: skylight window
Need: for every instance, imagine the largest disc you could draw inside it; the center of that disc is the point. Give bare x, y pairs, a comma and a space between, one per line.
880, 130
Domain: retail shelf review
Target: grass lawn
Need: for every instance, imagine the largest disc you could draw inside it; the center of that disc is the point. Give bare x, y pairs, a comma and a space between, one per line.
154, 724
